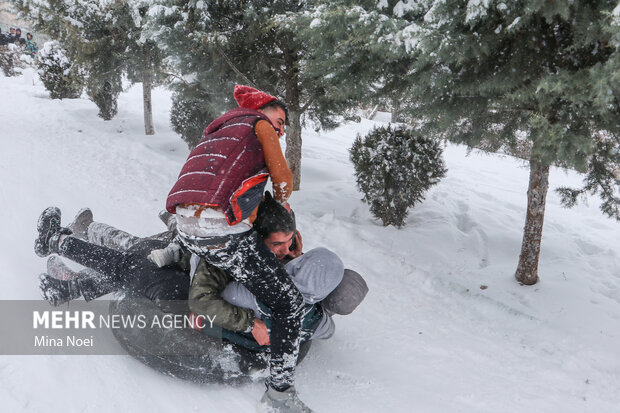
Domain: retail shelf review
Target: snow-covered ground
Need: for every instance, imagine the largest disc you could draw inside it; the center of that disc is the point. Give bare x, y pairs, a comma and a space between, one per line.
429, 337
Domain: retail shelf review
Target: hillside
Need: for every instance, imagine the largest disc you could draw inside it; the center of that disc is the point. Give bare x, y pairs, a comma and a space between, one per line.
445, 327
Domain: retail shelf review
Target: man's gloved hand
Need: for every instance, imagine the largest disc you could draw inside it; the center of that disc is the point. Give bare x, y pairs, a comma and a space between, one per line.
165, 256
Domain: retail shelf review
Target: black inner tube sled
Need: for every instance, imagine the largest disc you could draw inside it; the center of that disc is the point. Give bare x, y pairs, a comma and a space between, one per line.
186, 353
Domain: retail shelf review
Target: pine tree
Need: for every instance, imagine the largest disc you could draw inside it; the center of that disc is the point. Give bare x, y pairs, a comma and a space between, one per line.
10, 62
59, 76
188, 115
535, 79
393, 168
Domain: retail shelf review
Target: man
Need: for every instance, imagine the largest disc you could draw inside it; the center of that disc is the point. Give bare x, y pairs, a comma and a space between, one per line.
11, 36
18, 40
219, 187
319, 275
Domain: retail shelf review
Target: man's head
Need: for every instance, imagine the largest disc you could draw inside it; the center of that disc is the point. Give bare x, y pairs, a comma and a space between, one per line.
274, 109
12, 30
277, 113
276, 225
18, 32
29, 36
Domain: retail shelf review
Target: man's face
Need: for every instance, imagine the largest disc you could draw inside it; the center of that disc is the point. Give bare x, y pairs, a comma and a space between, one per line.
280, 243
277, 117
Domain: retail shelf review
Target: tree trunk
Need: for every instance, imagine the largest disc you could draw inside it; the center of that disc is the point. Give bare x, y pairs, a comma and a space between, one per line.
395, 110
527, 270
293, 146
147, 85
293, 130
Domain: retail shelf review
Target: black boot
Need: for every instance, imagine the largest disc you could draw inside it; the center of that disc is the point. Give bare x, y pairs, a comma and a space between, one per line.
58, 292
49, 232
79, 226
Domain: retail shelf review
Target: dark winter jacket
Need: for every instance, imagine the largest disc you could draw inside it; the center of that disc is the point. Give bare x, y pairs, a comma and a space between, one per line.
226, 169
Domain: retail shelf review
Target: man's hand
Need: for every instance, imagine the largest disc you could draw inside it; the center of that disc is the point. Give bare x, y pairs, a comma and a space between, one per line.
298, 246
260, 333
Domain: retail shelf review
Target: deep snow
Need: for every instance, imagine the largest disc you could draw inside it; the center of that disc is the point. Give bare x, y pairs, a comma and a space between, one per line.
427, 338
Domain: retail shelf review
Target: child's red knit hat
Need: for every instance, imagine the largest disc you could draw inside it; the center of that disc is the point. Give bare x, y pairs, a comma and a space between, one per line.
250, 98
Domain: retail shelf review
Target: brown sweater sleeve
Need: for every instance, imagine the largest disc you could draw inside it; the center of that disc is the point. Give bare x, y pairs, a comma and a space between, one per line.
281, 176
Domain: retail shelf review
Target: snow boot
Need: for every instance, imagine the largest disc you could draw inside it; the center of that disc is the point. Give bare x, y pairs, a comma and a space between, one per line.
79, 226
169, 219
57, 269
286, 401
58, 292
49, 232
89, 282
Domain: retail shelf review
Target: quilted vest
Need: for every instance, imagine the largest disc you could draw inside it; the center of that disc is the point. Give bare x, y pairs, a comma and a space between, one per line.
226, 169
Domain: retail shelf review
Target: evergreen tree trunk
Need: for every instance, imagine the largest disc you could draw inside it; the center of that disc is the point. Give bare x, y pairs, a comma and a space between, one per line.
395, 110
106, 99
293, 130
293, 146
147, 86
527, 270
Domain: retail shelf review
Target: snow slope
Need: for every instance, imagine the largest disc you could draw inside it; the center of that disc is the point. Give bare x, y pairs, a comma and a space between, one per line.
428, 338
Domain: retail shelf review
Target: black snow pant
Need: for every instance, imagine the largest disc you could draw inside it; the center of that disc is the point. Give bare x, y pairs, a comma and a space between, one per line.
130, 270
246, 258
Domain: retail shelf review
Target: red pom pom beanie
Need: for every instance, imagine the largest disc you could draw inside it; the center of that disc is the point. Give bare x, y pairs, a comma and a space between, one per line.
250, 98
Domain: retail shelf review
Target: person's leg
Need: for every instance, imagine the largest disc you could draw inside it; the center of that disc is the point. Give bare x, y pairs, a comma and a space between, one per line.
102, 259
131, 269
114, 269
91, 284
124, 270
250, 262
84, 228
106, 235
86, 283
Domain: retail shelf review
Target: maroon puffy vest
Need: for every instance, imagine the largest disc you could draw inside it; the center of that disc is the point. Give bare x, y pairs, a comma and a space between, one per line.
226, 169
